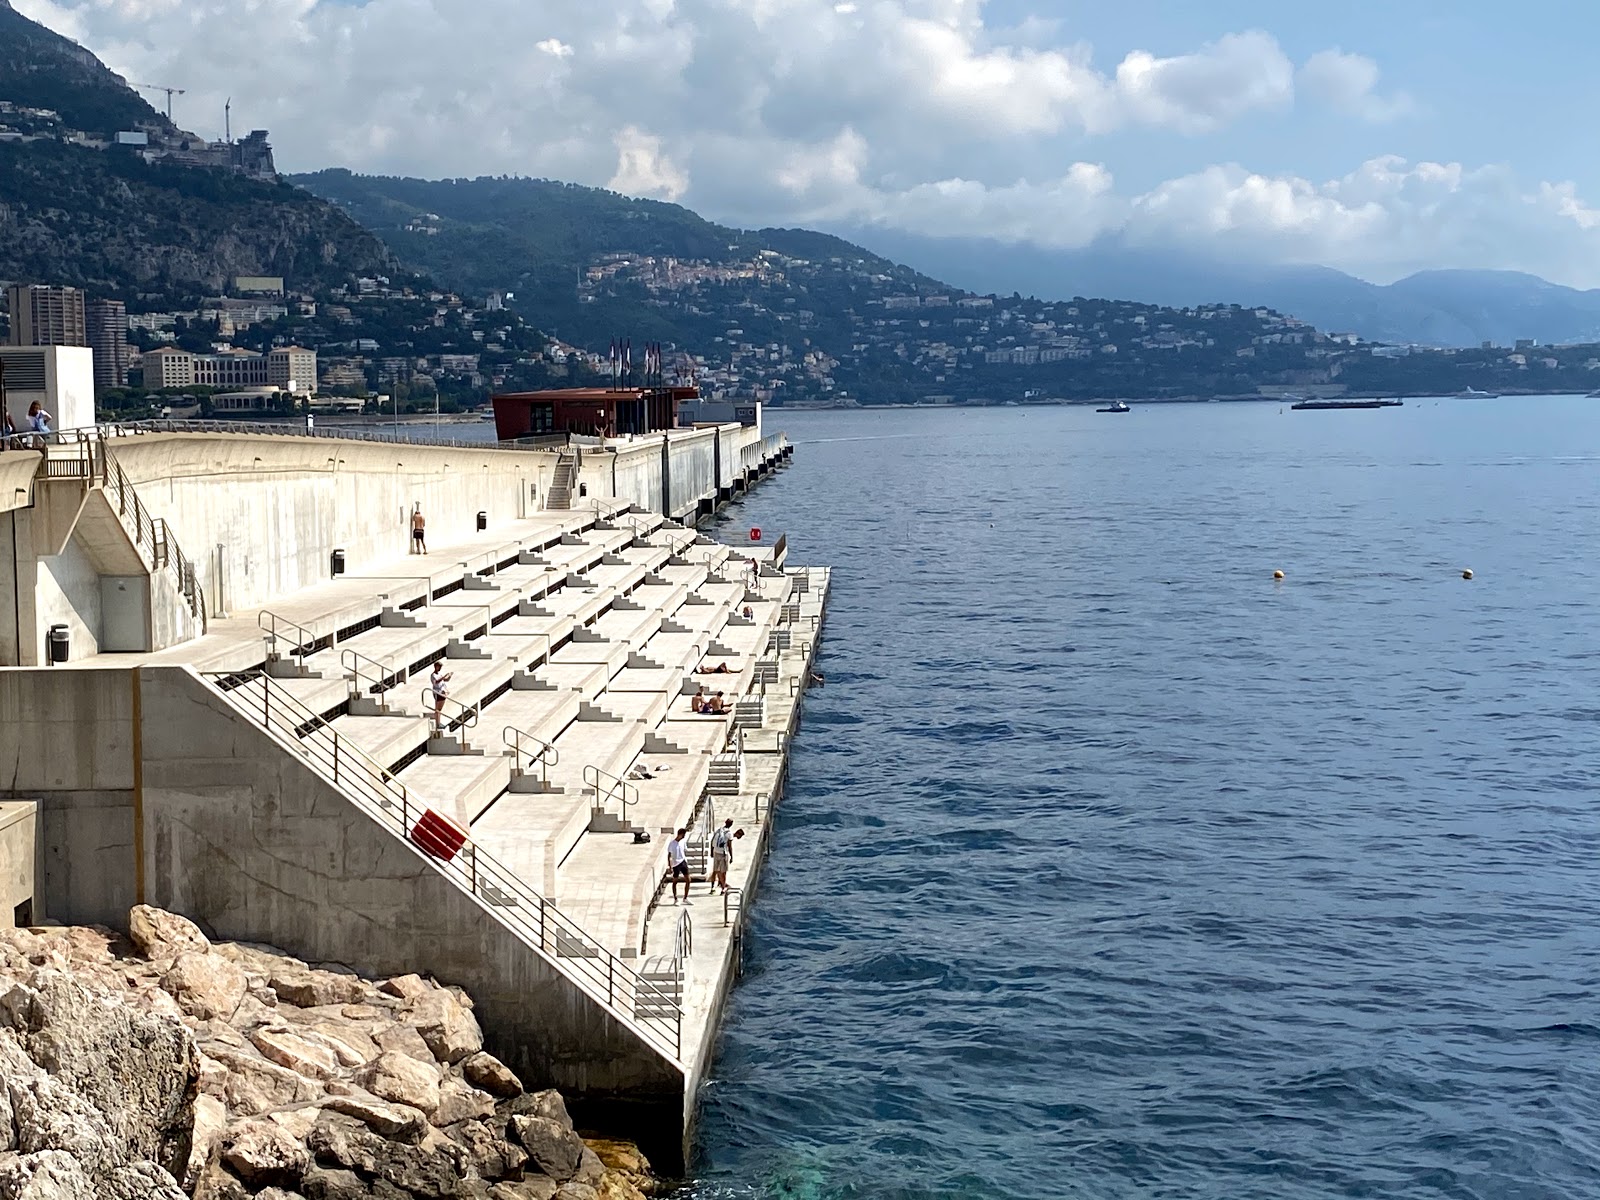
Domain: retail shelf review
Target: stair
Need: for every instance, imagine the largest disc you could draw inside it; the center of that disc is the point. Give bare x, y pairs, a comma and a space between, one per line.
750, 712
727, 774
559, 497
663, 993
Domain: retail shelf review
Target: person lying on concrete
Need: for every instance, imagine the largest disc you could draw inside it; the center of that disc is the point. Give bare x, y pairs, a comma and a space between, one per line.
719, 669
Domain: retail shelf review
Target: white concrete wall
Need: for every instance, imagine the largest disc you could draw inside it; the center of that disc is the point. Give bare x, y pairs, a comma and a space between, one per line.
632, 472
279, 507
693, 470
68, 592
68, 388
19, 862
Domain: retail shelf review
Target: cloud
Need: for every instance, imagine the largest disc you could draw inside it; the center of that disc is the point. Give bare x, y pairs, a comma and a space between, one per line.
1348, 83
917, 114
643, 168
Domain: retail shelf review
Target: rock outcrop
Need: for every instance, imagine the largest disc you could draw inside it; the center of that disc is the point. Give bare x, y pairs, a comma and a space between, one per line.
168, 1067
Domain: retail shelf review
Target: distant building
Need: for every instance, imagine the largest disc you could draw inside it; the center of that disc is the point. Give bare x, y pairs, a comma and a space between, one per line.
289, 368
47, 316
108, 339
59, 377
258, 285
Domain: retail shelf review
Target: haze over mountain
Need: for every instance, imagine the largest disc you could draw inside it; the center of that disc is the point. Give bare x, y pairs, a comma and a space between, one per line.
1434, 308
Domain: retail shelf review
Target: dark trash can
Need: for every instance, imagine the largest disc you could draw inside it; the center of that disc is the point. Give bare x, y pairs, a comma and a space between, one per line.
483, 521
337, 565
59, 643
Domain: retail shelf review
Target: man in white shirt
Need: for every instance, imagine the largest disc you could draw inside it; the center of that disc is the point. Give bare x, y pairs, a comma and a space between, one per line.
722, 855
678, 865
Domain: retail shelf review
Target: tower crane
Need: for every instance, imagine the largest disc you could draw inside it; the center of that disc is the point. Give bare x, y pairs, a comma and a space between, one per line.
170, 91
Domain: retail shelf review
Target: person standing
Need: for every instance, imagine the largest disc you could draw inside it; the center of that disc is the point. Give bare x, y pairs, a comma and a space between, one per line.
722, 855
39, 421
419, 531
678, 865
439, 684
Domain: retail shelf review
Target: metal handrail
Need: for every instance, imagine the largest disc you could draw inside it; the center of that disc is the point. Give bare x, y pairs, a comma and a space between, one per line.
385, 678
465, 718
271, 621
618, 788
288, 428
683, 939
548, 756
728, 896
538, 923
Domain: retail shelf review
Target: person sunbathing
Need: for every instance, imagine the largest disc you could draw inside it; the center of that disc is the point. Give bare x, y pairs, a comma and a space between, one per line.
719, 669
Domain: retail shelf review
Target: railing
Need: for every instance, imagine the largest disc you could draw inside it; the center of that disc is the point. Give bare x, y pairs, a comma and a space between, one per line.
466, 715
732, 902
613, 788
271, 623
683, 939
289, 427
368, 675
546, 755
536, 921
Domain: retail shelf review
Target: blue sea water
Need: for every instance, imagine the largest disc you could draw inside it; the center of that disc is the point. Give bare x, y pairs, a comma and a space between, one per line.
1112, 868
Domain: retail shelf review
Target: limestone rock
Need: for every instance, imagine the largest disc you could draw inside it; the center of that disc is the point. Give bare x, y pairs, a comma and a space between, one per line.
553, 1147
403, 1039
576, 1191
47, 1175
403, 1080
527, 1189
160, 934
140, 1181
263, 1154
295, 1053
487, 1152
344, 1142
484, 1070
210, 1123
548, 1104
322, 1184
255, 1085
348, 1041
299, 985
205, 985
452, 1032
459, 1102
395, 1121
407, 987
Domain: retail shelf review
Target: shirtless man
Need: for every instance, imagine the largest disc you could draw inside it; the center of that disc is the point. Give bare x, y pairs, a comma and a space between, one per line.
419, 531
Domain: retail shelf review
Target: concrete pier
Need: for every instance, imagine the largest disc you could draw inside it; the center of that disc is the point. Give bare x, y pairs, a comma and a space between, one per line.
283, 777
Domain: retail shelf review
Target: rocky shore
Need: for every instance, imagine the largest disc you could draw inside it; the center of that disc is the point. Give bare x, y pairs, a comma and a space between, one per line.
161, 1067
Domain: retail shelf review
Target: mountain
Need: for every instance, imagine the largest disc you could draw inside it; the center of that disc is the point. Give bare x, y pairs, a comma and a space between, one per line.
541, 240
77, 210
1433, 308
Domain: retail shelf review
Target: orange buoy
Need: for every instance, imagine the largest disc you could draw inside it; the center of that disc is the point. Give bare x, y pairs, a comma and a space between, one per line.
755, 533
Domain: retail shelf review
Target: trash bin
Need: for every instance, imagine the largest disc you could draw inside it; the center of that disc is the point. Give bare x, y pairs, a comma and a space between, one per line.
483, 521
337, 565
58, 644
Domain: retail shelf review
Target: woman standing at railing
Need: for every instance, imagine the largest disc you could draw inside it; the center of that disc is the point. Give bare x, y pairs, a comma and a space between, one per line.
39, 421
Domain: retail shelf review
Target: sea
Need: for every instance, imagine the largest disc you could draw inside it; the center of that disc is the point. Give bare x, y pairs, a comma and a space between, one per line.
1111, 866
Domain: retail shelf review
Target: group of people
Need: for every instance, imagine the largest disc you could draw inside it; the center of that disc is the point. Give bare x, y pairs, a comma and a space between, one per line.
38, 423
713, 705
721, 857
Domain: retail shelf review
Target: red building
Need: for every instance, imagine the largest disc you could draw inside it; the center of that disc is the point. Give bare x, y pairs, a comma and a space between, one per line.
594, 412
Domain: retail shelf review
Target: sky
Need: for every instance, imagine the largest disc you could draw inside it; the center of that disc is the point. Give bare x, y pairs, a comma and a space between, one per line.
1380, 138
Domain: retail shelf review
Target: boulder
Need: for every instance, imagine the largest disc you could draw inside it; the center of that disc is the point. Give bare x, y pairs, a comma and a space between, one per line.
299, 985
295, 1053
403, 1080
552, 1147
205, 985
451, 1031
527, 1189
263, 1154
484, 1070
342, 1141
487, 1152
348, 1041
160, 934
576, 1191
46, 1175
210, 1123
255, 1085
406, 987
547, 1104
322, 1184
403, 1039
395, 1121
459, 1102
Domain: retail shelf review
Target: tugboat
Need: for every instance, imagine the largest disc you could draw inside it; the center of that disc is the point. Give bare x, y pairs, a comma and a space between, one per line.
1317, 405
1115, 406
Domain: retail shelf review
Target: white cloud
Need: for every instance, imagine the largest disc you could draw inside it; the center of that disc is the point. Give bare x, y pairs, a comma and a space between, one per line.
911, 113
1348, 83
643, 168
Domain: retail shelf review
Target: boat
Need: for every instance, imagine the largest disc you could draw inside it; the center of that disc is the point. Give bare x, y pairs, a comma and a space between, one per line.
1115, 406
1322, 404
1594, 395
1474, 394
